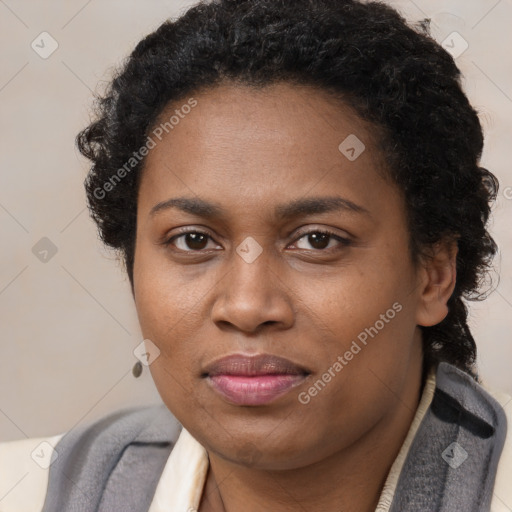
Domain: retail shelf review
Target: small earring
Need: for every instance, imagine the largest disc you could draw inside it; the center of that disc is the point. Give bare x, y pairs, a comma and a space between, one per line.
137, 369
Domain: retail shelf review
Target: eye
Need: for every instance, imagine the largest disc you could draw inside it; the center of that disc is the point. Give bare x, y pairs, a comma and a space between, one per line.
190, 241
320, 240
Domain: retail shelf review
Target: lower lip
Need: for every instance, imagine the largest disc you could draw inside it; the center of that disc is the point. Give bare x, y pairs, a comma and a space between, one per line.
255, 390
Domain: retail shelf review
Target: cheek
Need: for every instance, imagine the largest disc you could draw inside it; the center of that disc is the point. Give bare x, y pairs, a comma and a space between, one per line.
172, 311
165, 294
167, 320
164, 308
368, 316
355, 297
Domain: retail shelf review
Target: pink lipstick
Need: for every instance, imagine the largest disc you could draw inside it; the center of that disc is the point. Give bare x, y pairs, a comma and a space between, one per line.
253, 380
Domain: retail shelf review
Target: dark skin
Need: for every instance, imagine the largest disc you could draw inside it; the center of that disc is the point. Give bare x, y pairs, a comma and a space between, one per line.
248, 151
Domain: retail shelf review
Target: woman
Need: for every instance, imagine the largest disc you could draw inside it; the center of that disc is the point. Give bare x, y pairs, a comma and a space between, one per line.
295, 191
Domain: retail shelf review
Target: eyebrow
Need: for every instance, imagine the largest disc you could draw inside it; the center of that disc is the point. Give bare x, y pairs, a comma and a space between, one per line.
296, 208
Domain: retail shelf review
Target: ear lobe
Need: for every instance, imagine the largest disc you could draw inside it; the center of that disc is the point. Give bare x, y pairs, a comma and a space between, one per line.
438, 277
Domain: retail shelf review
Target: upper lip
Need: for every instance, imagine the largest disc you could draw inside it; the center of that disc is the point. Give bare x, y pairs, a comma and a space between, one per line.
260, 364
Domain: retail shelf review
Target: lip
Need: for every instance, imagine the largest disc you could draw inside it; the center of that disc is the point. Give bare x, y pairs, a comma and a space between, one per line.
253, 380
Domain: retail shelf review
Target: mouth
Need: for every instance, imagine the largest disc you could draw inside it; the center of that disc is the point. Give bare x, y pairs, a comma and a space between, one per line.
253, 380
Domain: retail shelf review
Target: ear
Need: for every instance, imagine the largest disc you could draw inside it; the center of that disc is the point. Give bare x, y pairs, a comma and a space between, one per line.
438, 272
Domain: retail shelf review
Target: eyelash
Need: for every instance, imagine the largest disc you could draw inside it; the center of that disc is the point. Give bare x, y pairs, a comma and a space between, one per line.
344, 242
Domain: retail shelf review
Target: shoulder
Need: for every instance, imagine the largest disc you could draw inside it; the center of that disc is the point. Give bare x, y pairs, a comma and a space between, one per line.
26, 465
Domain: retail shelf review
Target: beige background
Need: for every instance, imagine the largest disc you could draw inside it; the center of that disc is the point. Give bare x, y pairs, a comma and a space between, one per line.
69, 325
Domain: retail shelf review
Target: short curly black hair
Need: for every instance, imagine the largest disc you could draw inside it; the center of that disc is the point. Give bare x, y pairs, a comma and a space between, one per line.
394, 75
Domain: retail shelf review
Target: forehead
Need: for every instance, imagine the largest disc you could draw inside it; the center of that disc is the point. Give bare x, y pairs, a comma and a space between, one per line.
282, 113
256, 144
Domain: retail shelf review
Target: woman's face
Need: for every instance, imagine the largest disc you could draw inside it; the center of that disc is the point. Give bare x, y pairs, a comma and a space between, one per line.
261, 174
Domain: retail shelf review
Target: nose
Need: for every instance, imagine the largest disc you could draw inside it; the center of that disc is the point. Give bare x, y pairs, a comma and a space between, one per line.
253, 294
